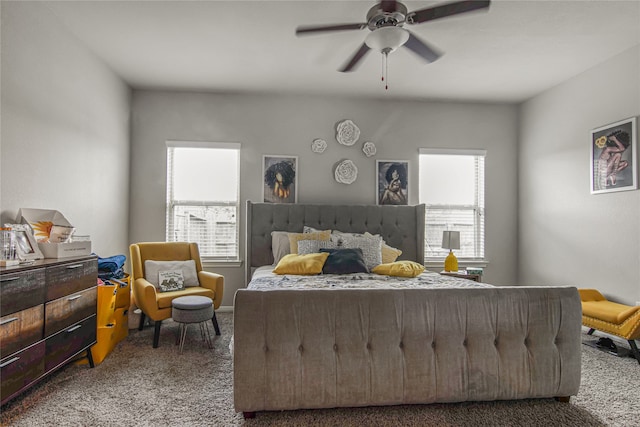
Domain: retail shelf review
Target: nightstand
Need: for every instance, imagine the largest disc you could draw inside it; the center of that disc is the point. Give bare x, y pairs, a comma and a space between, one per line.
463, 275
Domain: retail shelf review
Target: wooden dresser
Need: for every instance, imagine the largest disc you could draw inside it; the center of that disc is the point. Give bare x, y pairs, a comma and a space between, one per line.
48, 317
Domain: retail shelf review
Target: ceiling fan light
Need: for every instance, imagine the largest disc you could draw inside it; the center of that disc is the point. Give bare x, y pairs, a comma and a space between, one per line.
387, 38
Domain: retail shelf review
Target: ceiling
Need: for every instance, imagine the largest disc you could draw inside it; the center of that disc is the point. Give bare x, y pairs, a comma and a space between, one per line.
512, 52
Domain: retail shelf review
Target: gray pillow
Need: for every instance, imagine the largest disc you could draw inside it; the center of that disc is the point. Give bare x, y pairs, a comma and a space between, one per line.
188, 268
280, 245
313, 246
371, 248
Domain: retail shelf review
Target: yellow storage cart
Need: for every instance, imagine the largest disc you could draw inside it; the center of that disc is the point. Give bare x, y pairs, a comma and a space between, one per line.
114, 298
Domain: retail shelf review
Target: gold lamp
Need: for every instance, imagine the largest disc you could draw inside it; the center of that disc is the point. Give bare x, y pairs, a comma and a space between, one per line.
451, 240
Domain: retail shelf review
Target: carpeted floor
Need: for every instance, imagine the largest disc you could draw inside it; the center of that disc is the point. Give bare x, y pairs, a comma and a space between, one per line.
137, 385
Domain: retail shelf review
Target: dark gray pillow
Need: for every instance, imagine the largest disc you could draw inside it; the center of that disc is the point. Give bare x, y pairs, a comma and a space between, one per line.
344, 261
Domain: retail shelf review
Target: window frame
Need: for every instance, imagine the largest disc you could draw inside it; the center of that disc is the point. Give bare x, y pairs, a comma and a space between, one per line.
171, 203
479, 238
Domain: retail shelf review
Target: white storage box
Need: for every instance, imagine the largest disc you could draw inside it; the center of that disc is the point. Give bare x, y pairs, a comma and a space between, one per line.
64, 250
39, 220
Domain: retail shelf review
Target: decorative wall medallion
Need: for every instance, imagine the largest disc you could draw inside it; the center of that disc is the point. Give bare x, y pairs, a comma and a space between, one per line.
318, 145
369, 149
347, 133
346, 172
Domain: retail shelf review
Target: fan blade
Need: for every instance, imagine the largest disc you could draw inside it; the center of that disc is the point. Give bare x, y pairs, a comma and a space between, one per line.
422, 49
442, 11
388, 6
319, 29
364, 49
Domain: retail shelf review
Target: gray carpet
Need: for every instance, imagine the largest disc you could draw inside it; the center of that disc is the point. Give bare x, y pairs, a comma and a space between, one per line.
137, 385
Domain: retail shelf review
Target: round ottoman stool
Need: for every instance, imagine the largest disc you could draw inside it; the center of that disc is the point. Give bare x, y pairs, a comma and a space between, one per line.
192, 309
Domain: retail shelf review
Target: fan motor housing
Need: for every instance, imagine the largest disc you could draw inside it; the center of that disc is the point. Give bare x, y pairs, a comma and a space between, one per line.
377, 17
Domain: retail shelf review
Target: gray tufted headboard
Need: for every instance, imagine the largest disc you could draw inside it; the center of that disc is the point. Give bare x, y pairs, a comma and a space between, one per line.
400, 226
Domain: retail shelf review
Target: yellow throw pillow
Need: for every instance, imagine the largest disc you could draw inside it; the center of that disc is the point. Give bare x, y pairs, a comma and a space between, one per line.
301, 264
294, 238
389, 254
399, 268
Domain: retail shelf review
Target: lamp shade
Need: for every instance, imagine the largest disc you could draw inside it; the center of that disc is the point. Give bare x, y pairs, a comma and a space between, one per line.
387, 38
451, 240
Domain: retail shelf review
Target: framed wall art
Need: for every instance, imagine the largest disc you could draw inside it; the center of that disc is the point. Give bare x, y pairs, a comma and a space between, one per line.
279, 179
392, 182
614, 158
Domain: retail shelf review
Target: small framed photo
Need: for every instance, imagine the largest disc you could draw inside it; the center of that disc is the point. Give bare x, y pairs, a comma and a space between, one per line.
614, 158
26, 245
392, 182
279, 179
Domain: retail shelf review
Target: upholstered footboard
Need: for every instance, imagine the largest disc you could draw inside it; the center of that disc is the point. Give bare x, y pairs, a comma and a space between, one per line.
350, 347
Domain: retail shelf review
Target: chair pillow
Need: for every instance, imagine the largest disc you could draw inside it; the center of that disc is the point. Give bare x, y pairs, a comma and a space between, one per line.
344, 261
294, 238
301, 264
399, 268
153, 268
170, 280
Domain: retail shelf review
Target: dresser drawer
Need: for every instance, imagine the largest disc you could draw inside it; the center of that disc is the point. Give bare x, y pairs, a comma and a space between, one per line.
21, 369
71, 277
70, 309
21, 290
69, 342
21, 329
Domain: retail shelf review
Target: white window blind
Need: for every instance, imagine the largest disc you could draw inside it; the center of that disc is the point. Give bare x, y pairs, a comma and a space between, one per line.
452, 189
203, 197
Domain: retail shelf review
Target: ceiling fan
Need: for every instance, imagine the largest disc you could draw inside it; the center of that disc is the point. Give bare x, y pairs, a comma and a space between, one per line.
386, 20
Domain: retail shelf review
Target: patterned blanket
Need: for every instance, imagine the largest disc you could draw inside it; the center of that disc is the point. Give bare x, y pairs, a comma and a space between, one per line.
264, 279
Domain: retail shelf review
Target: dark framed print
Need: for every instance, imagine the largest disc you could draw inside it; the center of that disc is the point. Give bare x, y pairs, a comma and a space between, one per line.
614, 158
279, 179
392, 182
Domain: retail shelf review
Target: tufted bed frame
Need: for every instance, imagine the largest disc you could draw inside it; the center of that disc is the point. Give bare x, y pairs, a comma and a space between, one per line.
319, 348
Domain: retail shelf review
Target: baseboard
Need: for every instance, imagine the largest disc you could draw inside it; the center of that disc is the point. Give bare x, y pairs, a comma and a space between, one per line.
225, 309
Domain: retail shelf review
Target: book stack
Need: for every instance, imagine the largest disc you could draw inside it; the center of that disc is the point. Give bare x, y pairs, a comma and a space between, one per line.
474, 270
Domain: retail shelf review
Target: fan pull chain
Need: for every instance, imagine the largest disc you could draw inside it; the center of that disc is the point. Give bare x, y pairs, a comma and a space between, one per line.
386, 70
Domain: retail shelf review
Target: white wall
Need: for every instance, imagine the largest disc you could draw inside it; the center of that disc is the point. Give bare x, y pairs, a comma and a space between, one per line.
566, 235
65, 128
271, 124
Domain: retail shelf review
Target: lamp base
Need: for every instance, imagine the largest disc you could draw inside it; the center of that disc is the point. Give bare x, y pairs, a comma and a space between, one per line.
451, 263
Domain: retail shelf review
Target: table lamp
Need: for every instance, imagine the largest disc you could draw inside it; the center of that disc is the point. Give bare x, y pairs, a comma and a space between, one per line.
451, 240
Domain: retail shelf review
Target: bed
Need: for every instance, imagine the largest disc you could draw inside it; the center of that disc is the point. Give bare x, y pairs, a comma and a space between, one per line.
331, 346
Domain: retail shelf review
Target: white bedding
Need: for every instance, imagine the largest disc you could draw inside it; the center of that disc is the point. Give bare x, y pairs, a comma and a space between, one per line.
264, 279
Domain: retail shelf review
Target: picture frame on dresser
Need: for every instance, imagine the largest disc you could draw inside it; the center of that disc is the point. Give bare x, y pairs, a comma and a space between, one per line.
614, 157
26, 245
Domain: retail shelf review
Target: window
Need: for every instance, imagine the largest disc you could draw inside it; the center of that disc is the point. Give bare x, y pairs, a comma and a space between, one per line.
202, 197
452, 189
